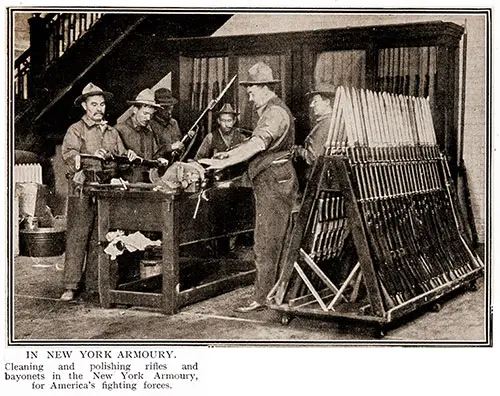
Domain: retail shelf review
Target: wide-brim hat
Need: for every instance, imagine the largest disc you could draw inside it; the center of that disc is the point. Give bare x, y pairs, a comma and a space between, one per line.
323, 88
260, 73
227, 109
146, 98
92, 90
164, 97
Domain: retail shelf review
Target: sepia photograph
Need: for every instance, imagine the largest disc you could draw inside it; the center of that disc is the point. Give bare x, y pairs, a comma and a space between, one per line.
256, 177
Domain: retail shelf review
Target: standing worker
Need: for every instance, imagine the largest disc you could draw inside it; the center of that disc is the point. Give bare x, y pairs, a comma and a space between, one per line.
138, 136
91, 135
165, 127
321, 104
271, 174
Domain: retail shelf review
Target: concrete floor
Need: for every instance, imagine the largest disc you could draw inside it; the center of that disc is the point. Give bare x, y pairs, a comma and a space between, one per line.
39, 315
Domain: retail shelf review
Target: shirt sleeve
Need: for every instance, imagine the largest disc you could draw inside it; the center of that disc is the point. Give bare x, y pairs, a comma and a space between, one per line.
271, 125
315, 143
176, 132
204, 150
120, 147
71, 146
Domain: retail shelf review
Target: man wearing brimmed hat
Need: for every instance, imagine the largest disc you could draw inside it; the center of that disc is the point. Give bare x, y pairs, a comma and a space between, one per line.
271, 174
166, 129
321, 102
224, 138
138, 136
90, 135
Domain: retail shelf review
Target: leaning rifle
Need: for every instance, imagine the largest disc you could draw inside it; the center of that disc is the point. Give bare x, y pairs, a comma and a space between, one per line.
191, 134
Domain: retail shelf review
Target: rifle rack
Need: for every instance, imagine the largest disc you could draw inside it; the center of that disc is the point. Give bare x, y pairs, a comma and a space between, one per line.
377, 219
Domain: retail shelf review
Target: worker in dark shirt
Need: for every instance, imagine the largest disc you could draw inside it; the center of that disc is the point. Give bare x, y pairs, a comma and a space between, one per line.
225, 137
321, 103
165, 127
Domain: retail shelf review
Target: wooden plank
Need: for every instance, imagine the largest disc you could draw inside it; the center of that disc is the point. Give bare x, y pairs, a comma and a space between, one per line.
141, 299
151, 283
309, 298
319, 272
344, 286
207, 290
315, 313
432, 295
310, 286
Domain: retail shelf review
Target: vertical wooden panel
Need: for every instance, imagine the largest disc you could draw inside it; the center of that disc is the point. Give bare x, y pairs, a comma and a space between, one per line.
441, 124
454, 98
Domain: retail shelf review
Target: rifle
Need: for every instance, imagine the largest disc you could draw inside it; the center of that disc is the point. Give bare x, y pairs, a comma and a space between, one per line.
194, 128
121, 159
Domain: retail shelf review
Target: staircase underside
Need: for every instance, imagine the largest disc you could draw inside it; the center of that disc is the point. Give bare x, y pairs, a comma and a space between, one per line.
122, 53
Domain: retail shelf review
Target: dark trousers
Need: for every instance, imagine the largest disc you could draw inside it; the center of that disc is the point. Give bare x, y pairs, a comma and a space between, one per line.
80, 220
275, 190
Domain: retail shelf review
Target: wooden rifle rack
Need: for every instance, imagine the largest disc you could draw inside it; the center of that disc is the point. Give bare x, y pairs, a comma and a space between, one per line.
320, 297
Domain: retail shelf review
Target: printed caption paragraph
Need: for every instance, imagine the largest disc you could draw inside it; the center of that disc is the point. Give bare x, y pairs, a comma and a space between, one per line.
103, 369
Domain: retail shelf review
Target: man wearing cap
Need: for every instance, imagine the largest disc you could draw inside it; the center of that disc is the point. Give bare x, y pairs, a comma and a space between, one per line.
165, 128
224, 138
137, 134
271, 174
321, 103
90, 135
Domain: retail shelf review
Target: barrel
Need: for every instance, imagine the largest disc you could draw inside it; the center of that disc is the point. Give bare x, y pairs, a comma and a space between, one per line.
42, 242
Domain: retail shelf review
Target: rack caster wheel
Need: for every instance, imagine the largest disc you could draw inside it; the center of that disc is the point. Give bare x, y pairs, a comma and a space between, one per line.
286, 319
472, 286
380, 332
436, 307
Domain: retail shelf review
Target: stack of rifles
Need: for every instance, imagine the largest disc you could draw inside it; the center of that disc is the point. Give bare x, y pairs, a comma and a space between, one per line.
402, 186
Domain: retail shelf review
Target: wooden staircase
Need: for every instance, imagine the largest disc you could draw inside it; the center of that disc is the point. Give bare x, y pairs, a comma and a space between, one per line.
120, 52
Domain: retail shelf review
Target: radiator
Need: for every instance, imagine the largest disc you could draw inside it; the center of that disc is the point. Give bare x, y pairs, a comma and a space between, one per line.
24, 173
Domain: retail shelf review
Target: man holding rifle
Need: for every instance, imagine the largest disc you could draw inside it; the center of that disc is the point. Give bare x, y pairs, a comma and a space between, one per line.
138, 136
271, 174
165, 127
89, 136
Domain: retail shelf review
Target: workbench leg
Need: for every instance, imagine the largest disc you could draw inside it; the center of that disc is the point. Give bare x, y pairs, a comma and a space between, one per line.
170, 255
104, 272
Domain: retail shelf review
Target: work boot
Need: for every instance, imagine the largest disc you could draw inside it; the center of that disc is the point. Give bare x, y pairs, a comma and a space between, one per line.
253, 306
68, 295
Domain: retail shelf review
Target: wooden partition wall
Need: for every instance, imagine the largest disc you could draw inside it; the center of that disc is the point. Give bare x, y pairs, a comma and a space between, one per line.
418, 59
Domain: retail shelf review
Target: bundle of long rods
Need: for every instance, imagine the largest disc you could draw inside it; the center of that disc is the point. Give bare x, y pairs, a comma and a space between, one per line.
328, 230
401, 185
209, 76
407, 70
326, 243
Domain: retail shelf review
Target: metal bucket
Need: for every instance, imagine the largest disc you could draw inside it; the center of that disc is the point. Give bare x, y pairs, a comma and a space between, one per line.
150, 268
42, 242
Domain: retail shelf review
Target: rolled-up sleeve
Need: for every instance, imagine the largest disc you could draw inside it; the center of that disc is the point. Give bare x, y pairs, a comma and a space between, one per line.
273, 122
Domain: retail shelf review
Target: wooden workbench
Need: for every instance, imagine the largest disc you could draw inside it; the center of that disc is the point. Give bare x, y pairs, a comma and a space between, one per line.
229, 211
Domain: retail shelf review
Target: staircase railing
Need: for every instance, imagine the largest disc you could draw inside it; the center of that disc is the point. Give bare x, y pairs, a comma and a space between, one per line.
50, 37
